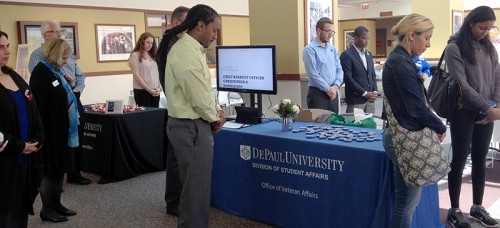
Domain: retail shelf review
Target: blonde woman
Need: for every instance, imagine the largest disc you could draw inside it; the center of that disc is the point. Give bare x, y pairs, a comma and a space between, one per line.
404, 91
59, 112
142, 61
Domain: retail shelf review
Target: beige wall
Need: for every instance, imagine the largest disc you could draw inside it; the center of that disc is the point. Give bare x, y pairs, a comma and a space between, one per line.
351, 25
86, 19
289, 41
235, 29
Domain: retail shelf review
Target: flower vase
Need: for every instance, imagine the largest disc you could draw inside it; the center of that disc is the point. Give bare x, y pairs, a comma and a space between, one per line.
286, 124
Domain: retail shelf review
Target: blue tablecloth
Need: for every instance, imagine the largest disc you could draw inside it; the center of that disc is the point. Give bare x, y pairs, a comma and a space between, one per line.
288, 180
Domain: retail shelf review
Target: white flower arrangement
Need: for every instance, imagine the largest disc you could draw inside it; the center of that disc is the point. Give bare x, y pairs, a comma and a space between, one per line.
286, 109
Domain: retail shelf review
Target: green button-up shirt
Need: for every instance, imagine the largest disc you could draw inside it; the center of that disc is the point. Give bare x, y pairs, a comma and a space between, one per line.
188, 82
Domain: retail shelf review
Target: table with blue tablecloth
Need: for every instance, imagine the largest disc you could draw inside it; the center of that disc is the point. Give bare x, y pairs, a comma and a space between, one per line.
288, 180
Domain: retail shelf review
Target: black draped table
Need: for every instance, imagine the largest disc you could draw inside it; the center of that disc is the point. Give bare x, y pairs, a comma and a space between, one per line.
122, 146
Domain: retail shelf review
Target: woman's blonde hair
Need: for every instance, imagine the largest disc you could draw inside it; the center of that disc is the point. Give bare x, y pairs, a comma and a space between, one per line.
54, 50
413, 22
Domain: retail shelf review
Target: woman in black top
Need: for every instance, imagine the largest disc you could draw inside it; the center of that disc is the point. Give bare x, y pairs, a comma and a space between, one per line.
20, 138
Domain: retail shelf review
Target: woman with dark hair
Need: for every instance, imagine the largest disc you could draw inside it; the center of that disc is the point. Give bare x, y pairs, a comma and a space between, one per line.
21, 135
142, 61
473, 62
59, 112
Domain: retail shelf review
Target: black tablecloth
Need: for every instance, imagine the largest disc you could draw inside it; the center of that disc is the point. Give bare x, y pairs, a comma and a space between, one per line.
121, 146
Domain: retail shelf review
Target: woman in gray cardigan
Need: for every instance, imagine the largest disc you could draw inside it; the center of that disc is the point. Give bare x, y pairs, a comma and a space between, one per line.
473, 62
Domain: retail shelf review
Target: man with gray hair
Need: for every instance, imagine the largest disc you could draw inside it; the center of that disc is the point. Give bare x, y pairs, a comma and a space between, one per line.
51, 29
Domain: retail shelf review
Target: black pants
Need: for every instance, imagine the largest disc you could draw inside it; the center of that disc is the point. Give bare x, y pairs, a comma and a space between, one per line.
11, 219
319, 99
143, 98
78, 150
467, 137
50, 192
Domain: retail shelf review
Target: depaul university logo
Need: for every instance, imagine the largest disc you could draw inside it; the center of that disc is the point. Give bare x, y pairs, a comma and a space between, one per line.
245, 152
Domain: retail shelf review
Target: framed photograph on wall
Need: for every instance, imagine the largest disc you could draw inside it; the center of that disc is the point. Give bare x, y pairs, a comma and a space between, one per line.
457, 18
313, 11
114, 43
28, 32
348, 38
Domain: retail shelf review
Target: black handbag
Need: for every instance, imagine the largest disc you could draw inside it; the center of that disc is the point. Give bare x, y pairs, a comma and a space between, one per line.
444, 93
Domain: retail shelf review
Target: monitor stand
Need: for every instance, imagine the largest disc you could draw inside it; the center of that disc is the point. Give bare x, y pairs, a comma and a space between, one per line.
258, 105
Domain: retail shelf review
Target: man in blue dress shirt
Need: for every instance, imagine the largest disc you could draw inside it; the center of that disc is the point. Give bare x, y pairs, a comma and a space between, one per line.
323, 68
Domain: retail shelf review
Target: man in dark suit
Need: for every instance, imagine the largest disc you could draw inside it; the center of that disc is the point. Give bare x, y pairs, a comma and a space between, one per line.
359, 73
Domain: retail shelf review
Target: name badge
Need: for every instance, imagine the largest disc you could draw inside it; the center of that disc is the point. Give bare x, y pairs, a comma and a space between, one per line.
55, 83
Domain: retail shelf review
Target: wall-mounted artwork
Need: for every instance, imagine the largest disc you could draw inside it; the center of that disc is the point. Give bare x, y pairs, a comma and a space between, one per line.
114, 42
348, 38
314, 10
457, 18
29, 33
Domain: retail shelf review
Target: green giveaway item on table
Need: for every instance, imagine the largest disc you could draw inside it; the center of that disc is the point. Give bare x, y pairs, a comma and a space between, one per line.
340, 120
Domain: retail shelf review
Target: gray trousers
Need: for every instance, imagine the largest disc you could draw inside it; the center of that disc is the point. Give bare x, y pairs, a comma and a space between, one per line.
319, 99
368, 107
193, 143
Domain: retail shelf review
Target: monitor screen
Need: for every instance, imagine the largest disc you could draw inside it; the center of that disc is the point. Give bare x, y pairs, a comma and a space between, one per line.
247, 69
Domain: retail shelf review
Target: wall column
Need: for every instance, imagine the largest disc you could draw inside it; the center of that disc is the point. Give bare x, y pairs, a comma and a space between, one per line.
285, 29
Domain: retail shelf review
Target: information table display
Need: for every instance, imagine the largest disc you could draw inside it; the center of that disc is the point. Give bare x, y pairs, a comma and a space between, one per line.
121, 146
291, 179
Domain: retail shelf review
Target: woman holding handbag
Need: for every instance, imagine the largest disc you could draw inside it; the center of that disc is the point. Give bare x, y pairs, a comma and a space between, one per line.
405, 95
473, 63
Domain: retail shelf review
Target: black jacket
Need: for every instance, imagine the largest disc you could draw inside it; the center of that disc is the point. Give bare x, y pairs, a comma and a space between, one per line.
17, 192
357, 79
52, 103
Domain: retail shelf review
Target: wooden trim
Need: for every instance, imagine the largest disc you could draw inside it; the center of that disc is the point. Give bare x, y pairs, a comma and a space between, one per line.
366, 19
291, 77
386, 14
94, 7
106, 73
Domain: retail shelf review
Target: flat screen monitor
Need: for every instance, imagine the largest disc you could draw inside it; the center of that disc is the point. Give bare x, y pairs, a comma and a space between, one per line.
247, 69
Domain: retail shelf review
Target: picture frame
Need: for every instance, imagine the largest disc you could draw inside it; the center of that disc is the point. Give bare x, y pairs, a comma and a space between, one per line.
113, 107
313, 11
28, 32
114, 42
348, 38
457, 18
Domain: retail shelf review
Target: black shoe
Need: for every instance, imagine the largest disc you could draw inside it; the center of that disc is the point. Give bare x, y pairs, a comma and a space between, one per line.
481, 215
65, 211
78, 180
456, 219
173, 211
50, 215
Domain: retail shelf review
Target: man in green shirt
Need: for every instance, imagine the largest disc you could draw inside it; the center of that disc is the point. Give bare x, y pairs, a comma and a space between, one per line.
194, 115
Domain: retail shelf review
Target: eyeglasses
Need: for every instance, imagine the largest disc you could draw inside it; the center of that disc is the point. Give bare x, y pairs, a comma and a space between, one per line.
331, 32
179, 20
55, 31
